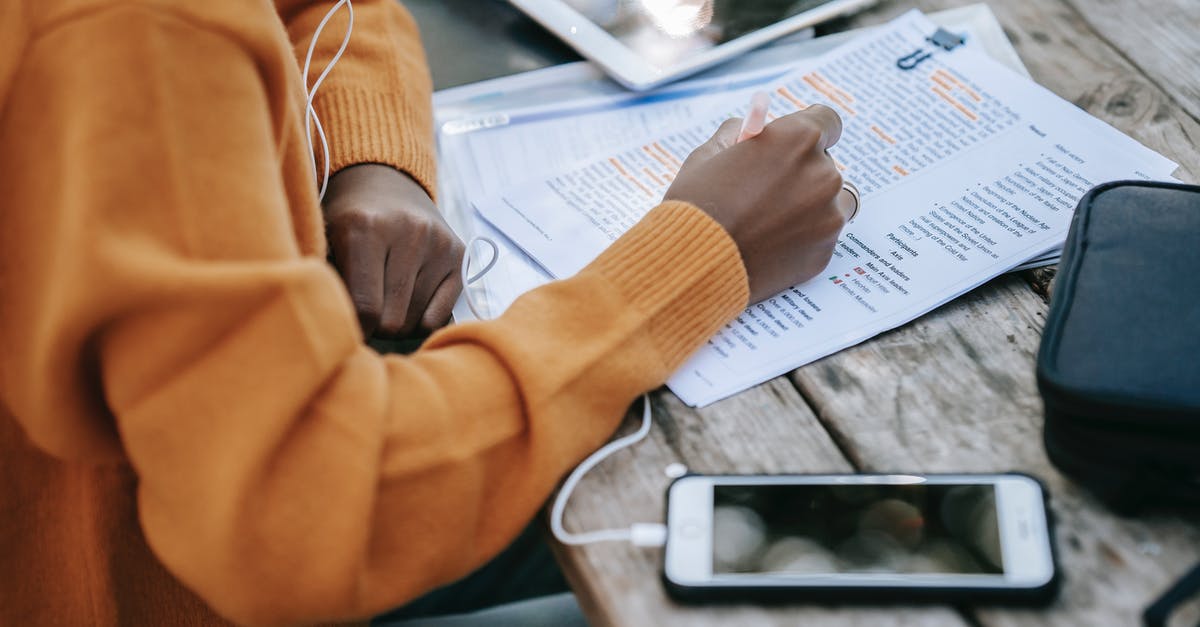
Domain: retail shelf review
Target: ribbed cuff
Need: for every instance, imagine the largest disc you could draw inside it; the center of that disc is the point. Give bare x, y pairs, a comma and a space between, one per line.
364, 127
682, 270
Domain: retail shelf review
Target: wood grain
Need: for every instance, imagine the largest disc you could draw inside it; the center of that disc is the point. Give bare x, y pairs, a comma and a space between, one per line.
955, 391
768, 429
960, 392
1160, 37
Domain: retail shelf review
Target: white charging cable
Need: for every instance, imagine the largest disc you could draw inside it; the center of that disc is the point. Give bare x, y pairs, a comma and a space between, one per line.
310, 114
640, 534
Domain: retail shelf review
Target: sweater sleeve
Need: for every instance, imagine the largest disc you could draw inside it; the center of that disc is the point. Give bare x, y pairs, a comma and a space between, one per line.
375, 105
157, 310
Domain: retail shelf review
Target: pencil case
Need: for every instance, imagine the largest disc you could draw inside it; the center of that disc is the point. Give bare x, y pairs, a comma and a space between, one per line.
1119, 362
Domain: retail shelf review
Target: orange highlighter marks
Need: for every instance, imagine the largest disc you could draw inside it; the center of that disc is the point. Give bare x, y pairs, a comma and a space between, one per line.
830, 93
969, 114
625, 173
882, 135
657, 157
657, 146
787, 93
948, 77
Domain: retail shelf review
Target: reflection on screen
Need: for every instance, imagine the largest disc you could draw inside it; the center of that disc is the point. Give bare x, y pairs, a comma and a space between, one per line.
665, 32
816, 529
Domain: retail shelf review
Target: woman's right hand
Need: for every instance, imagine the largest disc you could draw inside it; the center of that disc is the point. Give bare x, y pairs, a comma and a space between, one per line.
777, 194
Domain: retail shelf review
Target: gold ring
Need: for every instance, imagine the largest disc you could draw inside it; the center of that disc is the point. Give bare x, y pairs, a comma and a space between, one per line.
850, 187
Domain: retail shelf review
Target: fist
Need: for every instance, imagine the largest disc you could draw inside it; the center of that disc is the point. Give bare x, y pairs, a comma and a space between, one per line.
398, 257
777, 194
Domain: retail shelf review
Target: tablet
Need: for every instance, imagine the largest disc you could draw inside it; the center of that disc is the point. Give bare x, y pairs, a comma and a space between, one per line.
645, 43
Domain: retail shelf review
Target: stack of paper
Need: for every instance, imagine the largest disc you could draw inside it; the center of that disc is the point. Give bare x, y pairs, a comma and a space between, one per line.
967, 170
500, 132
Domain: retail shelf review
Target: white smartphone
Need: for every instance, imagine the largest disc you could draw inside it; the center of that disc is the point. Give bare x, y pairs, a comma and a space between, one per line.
859, 537
645, 43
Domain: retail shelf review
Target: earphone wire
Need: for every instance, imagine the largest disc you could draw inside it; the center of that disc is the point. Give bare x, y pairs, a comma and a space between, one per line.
642, 534
468, 279
311, 119
645, 534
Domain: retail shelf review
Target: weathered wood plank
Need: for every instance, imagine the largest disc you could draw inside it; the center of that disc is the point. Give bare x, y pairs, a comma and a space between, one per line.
952, 392
955, 391
767, 429
1161, 37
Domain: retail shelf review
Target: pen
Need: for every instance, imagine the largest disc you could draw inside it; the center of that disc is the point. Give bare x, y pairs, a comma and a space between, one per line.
756, 117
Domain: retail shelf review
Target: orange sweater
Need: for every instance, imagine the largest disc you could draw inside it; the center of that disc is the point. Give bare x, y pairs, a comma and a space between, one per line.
190, 424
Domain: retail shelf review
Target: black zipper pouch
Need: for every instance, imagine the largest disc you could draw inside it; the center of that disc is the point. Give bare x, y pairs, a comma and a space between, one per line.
1119, 363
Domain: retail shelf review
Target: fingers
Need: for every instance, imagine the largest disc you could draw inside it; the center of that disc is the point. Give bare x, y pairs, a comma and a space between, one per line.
399, 286
816, 127
428, 281
422, 283
435, 313
361, 263
441, 305
725, 136
828, 121
394, 250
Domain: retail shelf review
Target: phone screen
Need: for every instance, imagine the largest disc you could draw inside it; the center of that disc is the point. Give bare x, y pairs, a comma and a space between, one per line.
817, 529
665, 32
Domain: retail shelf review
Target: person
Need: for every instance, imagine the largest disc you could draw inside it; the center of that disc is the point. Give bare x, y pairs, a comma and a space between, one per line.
192, 430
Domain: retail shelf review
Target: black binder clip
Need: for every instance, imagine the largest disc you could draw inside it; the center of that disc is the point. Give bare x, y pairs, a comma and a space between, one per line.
943, 39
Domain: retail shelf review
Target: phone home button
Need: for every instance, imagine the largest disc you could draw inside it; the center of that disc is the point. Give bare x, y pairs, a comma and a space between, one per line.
691, 529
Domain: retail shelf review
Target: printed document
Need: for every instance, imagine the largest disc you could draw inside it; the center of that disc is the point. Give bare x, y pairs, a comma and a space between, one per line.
498, 132
503, 131
489, 152
966, 170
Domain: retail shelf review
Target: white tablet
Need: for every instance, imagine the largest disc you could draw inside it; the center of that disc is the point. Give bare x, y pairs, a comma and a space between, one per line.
645, 43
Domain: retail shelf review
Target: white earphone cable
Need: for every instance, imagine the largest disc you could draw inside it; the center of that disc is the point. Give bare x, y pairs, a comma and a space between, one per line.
641, 534
468, 279
310, 114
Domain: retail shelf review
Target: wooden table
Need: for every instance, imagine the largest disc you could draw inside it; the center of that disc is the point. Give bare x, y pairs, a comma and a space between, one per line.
953, 391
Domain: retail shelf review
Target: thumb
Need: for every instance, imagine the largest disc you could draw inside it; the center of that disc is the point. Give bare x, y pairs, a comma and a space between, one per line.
725, 137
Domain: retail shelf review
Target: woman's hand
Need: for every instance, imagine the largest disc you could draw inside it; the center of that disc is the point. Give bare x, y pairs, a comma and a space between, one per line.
398, 257
777, 195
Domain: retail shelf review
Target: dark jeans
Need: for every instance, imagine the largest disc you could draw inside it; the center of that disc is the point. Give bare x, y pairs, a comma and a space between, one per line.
524, 570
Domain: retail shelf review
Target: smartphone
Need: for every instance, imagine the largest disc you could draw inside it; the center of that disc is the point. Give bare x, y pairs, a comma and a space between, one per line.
870, 538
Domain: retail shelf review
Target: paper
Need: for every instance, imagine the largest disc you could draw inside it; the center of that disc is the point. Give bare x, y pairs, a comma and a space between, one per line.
495, 133
966, 169
492, 151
